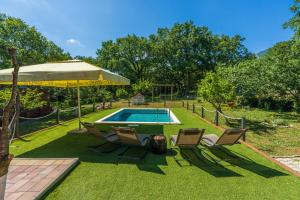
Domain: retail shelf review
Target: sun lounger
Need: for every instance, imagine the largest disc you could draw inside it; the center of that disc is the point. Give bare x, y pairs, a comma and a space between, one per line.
187, 139
229, 137
109, 138
130, 138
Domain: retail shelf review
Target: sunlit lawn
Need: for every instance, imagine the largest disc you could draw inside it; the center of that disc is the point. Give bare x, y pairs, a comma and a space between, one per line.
158, 176
278, 140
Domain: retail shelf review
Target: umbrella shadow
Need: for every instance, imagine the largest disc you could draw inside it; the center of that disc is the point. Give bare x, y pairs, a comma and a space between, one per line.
77, 146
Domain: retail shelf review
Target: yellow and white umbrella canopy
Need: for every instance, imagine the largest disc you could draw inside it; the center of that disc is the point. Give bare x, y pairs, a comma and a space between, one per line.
63, 74
73, 73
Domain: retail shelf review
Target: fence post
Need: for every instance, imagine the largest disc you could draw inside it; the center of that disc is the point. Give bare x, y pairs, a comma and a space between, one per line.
165, 103
182, 103
243, 126
217, 118
57, 115
202, 111
193, 108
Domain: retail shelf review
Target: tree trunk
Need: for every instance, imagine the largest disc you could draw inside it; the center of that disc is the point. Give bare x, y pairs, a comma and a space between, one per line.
5, 158
17, 130
2, 186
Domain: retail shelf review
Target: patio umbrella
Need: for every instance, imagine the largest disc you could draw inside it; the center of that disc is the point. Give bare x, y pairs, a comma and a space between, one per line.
73, 73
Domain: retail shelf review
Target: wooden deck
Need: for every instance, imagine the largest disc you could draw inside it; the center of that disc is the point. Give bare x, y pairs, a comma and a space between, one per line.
31, 178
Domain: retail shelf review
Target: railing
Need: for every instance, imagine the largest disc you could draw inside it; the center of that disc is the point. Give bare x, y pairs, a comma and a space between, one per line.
31, 124
216, 117
150, 104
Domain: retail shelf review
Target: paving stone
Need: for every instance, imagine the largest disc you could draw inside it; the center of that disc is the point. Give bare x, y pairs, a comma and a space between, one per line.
27, 178
292, 162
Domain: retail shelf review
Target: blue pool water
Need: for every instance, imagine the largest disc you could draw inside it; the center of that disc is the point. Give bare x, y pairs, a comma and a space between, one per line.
141, 115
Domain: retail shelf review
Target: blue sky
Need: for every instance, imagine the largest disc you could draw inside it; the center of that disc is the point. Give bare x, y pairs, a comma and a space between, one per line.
79, 26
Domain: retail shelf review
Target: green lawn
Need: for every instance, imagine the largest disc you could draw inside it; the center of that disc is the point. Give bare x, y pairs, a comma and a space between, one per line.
280, 140
158, 177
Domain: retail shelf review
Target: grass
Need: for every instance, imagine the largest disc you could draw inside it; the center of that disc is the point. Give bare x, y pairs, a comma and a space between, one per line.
274, 140
158, 176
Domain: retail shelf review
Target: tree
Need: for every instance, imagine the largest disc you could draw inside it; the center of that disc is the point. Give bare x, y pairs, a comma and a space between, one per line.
121, 93
33, 48
276, 74
294, 22
284, 61
250, 79
230, 50
30, 98
143, 87
89, 59
215, 89
129, 56
180, 55
5, 157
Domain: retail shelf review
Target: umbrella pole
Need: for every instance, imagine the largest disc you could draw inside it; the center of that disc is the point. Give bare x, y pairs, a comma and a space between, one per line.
78, 101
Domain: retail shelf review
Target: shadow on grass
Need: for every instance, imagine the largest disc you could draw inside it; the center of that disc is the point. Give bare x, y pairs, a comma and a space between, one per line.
200, 159
245, 163
76, 146
288, 116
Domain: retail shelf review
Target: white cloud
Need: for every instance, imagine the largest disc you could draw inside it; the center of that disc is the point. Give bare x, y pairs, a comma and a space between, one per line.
74, 42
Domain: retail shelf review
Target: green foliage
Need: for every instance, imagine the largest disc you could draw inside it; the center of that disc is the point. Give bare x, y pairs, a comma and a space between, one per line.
89, 59
30, 99
104, 94
143, 87
180, 55
121, 93
294, 22
32, 47
284, 61
128, 56
215, 89
250, 78
275, 75
4, 97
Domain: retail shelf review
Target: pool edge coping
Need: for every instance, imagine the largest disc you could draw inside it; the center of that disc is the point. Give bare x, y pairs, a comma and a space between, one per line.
176, 120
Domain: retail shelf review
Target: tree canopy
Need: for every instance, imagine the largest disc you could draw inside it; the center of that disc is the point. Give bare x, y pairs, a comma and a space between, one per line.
216, 89
294, 22
33, 47
179, 55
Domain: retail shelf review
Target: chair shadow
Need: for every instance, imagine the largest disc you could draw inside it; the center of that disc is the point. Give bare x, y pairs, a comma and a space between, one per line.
77, 146
245, 163
201, 160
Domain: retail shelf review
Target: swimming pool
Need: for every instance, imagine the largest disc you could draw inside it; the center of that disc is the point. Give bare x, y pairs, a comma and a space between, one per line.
141, 116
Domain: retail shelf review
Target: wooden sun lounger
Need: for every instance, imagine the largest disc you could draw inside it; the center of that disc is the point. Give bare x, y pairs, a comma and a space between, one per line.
109, 138
187, 139
130, 138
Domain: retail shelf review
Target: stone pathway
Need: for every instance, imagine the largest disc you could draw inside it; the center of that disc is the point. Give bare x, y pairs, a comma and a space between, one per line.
31, 178
292, 162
